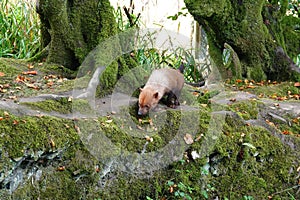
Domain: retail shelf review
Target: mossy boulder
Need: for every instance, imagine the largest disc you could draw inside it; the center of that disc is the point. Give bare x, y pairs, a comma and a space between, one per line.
258, 31
206, 149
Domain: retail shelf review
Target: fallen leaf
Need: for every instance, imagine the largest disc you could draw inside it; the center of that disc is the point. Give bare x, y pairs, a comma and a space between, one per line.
20, 79
250, 86
30, 66
31, 85
139, 127
198, 138
30, 73
232, 99
52, 143
1, 118
109, 121
196, 94
97, 168
13, 97
282, 98
270, 123
297, 84
6, 86
50, 83
249, 145
61, 168
270, 197
2, 74
285, 132
113, 112
150, 122
6, 114
60, 80
274, 96
77, 129
188, 138
276, 105
148, 138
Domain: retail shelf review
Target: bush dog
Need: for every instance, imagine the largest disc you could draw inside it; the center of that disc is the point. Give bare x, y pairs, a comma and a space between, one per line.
161, 82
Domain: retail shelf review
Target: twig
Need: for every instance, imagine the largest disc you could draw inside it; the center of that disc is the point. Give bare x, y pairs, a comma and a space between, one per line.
285, 190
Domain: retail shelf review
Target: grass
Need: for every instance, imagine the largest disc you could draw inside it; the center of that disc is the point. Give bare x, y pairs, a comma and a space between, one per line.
19, 29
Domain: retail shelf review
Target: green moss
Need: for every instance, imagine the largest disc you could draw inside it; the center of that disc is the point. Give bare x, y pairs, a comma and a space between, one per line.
62, 105
108, 80
291, 36
21, 133
10, 68
253, 171
245, 160
256, 73
246, 109
253, 29
205, 98
161, 133
28, 135
117, 70
52, 68
280, 89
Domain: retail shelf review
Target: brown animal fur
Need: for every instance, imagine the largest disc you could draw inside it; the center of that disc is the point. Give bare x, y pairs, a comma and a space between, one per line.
161, 82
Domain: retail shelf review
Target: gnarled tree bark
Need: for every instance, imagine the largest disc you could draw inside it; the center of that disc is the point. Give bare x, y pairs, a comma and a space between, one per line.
72, 28
253, 29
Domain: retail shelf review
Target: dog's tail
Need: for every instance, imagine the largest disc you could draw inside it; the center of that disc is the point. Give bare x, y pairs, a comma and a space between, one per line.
181, 68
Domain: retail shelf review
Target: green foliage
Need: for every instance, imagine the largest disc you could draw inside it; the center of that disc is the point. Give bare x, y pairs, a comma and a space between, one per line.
153, 58
297, 60
181, 190
248, 198
226, 57
19, 25
132, 20
183, 12
208, 189
193, 70
204, 99
293, 7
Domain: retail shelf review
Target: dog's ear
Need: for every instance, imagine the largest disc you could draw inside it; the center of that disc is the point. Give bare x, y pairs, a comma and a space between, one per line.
155, 95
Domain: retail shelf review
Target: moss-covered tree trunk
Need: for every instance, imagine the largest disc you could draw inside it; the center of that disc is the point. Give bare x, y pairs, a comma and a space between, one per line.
253, 29
72, 28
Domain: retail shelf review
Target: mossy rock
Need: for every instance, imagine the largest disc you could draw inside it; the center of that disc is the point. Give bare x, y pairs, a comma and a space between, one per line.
62, 105
246, 109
